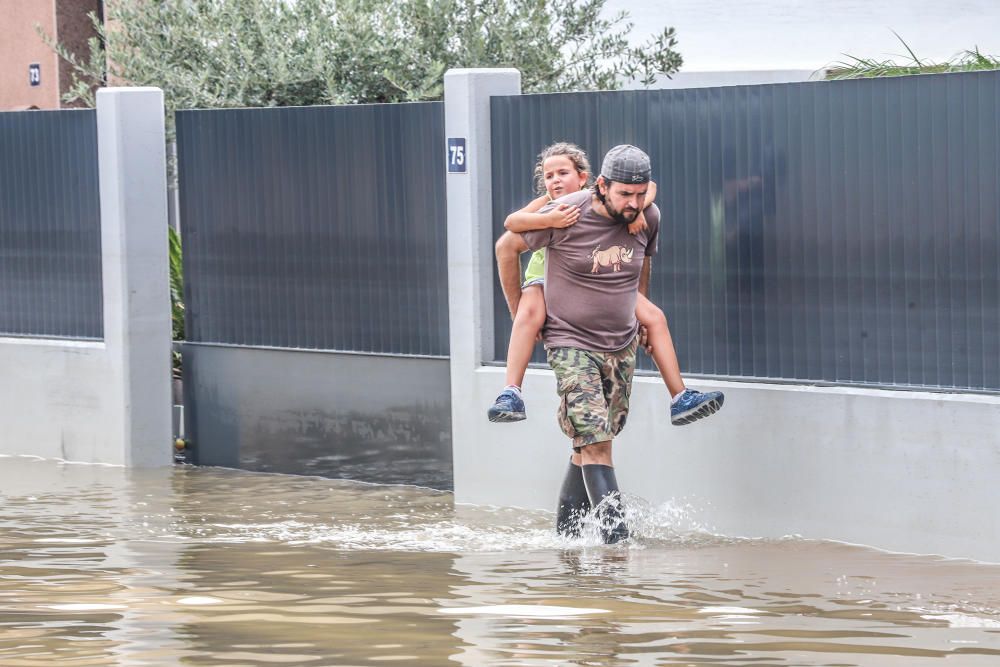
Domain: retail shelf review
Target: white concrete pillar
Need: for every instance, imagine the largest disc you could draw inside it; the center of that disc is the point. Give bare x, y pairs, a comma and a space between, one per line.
133, 189
467, 95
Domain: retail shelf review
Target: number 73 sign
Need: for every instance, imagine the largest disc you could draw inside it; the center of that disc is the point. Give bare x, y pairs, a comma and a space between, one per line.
458, 159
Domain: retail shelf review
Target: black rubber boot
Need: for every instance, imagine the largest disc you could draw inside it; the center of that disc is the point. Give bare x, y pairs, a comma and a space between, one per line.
573, 502
601, 483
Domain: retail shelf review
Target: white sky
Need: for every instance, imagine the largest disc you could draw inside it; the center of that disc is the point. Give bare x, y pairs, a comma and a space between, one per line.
806, 34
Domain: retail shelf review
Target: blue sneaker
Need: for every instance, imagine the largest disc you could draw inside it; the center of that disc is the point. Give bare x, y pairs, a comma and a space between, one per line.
507, 408
693, 405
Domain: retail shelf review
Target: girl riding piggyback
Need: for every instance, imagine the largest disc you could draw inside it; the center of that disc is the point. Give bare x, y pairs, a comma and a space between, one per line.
562, 169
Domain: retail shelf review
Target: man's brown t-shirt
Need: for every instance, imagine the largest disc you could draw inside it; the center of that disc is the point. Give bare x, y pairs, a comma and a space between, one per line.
592, 276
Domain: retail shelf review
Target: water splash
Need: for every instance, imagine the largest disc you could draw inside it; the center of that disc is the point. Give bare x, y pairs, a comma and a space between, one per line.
469, 529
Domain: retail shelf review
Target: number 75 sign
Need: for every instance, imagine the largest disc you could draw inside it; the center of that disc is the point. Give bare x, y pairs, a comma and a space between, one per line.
458, 159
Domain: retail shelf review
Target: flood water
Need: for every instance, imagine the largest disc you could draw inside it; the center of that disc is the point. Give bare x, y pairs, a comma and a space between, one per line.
198, 566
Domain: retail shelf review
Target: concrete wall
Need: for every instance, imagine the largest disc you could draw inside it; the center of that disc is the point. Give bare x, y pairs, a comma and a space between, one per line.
109, 401
53, 399
900, 470
372, 418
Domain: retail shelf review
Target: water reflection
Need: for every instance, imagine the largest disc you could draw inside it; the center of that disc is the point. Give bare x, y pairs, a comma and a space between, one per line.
103, 566
777, 603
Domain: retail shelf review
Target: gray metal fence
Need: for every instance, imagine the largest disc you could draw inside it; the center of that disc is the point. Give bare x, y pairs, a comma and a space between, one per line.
50, 225
317, 227
832, 231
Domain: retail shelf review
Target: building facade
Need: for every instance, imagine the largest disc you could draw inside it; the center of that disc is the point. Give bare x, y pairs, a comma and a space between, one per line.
32, 76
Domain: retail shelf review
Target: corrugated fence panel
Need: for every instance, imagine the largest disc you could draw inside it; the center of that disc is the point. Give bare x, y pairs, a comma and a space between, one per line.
840, 232
50, 225
316, 227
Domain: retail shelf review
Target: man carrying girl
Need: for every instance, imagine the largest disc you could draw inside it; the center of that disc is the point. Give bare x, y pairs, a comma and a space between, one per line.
595, 276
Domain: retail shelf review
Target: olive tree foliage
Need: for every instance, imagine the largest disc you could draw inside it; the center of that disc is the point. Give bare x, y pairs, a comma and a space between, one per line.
227, 53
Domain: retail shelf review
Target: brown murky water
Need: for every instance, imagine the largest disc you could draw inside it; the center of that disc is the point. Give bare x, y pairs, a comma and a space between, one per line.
103, 566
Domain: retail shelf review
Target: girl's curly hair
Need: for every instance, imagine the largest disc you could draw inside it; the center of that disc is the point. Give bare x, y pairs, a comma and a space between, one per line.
575, 155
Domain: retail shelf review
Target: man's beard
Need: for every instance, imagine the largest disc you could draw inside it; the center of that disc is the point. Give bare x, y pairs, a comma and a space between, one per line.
617, 216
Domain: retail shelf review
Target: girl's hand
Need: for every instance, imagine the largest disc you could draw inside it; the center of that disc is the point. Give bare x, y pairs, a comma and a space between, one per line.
644, 341
637, 225
562, 216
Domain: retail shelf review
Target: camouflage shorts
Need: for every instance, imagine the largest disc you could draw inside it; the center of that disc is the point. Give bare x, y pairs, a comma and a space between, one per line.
594, 389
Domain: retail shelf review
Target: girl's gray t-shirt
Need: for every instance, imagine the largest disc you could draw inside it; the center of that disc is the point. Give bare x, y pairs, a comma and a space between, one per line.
592, 273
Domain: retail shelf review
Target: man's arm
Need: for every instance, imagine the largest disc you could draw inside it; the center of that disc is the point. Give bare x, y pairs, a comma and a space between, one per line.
647, 268
508, 251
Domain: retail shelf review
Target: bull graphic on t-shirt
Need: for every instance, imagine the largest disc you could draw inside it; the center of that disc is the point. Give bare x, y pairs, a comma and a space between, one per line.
613, 257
